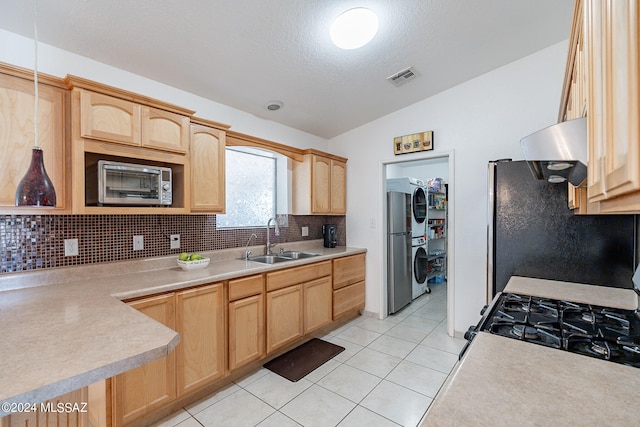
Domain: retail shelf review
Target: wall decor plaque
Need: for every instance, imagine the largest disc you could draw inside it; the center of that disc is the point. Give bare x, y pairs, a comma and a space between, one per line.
413, 143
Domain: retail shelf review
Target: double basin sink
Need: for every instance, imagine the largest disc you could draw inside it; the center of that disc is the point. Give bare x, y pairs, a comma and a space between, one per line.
282, 257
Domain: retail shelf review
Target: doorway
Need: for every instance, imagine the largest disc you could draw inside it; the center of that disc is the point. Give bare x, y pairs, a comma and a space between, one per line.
423, 168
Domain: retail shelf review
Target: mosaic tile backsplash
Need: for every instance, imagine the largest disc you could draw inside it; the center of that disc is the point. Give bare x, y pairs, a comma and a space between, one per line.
30, 242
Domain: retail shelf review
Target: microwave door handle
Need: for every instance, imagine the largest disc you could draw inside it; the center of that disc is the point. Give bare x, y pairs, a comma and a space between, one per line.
125, 168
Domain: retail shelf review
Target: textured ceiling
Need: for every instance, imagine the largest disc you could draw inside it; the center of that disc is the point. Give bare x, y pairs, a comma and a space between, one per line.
244, 53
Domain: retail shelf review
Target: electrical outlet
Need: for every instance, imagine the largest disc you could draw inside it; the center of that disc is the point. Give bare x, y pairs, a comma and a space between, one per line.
372, 223
138, 243
175, 241
70, 247
305, 231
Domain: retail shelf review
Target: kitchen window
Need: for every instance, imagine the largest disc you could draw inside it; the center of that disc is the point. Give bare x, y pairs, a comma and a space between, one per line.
251, 188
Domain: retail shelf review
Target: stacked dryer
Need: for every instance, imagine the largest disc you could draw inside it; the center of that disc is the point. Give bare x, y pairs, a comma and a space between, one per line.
419, 205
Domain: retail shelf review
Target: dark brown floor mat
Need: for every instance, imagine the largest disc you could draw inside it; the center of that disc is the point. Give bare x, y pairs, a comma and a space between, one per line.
297, 363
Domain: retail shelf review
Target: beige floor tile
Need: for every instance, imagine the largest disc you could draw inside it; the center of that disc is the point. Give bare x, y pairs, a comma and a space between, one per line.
394, 346
374, 362
399, 404
319, 407
420, 322
361, 416
189, 422
359, 335
254, 376
278, 419
433, 358
240, 409
276, 390
417, 378
377, 325
442, 341
322, 370
349, 382
408, 333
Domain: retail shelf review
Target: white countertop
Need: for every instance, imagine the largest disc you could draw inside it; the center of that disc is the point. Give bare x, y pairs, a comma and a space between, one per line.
505, 382
75, 330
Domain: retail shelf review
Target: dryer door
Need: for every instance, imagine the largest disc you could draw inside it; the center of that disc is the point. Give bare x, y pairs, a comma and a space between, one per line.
421, 265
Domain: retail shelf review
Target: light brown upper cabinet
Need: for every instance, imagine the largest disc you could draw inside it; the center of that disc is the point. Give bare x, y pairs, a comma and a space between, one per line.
573, 103
319, 185
613, 102
107, 118
17, 141
207, 167
108, 123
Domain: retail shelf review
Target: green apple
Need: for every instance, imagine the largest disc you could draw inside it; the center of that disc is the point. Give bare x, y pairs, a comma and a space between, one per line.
196, 257
183, 256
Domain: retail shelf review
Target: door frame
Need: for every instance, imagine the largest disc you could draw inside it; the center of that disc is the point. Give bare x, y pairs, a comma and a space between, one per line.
449, 155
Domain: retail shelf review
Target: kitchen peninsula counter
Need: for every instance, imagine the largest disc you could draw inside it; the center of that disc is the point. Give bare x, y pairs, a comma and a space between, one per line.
503, 382
66, 328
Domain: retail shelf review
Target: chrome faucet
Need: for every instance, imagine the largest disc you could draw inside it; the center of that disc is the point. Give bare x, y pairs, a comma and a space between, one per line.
276, 232
247, 252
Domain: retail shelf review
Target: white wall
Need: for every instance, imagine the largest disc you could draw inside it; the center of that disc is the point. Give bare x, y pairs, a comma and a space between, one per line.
18, 50
480, 120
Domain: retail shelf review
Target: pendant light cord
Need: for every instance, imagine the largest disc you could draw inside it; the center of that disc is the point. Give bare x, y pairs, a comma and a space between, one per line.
35, 71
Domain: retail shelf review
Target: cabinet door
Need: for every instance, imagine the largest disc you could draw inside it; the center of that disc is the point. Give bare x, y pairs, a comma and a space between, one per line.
143, 389
16, 116
164, 130
284, 317
622, 165
320, 184
317, 307
207, 169
110, 119
246, 331
596, 132
200, 323
338, 187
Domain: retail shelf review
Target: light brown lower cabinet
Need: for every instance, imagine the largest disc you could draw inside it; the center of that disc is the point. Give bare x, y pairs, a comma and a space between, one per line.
284, 317
298, 302
246, 321
140, 391
317, 304
201, 351
266, 312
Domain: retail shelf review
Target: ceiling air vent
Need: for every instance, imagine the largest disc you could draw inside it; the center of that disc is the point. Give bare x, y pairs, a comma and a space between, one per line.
403, 76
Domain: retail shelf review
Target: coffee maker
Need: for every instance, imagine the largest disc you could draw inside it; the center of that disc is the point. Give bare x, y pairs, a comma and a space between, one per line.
329, 232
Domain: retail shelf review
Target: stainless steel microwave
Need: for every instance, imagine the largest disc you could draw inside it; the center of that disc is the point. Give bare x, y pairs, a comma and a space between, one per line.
117, 183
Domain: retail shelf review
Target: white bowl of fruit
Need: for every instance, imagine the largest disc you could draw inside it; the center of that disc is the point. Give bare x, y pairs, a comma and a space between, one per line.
192, 261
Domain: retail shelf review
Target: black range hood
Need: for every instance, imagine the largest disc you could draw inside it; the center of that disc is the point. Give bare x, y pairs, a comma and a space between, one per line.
558, 153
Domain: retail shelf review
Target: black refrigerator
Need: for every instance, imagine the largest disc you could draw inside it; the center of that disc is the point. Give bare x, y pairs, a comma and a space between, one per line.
532, 233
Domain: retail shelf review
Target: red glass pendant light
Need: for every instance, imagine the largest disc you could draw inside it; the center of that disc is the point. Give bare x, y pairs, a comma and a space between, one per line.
35, 188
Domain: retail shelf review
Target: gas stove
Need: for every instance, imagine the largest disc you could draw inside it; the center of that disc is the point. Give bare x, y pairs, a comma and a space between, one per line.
601, 332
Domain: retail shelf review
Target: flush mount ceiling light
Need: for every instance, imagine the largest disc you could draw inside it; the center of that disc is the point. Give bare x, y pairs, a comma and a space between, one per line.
273, 105
354, 28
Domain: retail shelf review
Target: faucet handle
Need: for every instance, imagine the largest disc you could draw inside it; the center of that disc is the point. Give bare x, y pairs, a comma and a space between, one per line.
247, 254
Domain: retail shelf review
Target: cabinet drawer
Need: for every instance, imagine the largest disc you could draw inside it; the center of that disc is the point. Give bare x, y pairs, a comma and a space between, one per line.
293, 276
245, 287
348, 298
348, 270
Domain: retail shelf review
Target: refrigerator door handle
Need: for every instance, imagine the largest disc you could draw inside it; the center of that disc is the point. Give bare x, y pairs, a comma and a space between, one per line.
491, 191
